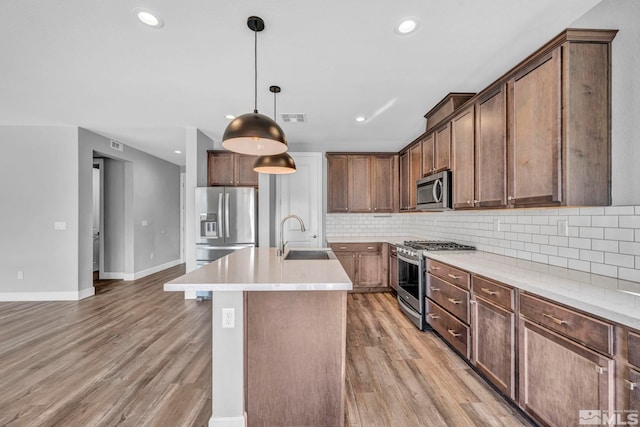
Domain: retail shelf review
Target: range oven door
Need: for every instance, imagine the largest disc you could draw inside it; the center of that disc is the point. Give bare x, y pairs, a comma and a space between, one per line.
411, 289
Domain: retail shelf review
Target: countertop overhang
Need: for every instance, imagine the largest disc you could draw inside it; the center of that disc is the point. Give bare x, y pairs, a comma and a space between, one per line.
261, 269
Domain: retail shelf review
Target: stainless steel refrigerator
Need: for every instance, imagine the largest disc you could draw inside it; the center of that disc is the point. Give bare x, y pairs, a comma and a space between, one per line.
226, 220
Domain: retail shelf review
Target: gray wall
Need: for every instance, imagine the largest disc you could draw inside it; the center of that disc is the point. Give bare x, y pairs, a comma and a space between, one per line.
114, 215
622, 15
38, 186
152, 195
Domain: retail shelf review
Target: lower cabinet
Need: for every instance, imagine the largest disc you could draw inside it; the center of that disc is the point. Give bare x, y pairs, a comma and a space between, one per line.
366, 264
559, 378
633, 384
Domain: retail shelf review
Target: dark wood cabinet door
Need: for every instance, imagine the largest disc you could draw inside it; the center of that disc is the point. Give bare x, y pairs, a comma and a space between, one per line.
337, 183
491, 150
369, 270
404, 181
428, 154
535, 135
384, 183
245, 175
494, 340
221, 168
415, 172
463, 163
393, 268
348, 262
359, 183
558, 377
442, 146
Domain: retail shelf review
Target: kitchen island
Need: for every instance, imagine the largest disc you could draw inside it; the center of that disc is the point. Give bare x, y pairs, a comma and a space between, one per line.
279, 338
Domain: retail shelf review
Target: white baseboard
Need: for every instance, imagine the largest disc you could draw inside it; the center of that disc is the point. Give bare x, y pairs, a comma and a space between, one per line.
46, 296
111, 276
228, 421
139, 274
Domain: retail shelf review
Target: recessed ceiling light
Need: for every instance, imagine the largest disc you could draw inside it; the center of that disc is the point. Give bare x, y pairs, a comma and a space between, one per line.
360, 119
148, 18
177, 151
230, 116
407, 25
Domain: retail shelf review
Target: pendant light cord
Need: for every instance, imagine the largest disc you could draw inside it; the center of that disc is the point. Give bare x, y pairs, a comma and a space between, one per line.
255, 73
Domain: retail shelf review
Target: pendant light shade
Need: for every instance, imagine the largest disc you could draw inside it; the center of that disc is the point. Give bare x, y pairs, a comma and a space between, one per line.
275, 164
278, 163
254, 133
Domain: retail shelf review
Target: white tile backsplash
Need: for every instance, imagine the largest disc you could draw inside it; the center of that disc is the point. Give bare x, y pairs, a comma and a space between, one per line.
601, 240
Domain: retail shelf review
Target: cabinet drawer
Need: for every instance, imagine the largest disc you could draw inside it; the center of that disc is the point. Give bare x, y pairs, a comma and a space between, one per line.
498, 294
634, 349
450, 297
448, 273
451, 329
584, 329
356, 247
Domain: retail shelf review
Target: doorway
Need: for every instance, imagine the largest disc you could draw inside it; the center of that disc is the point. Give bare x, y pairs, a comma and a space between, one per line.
97, 224
300, 194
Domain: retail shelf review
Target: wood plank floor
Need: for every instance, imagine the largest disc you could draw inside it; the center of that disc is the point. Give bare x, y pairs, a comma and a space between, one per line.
134, 355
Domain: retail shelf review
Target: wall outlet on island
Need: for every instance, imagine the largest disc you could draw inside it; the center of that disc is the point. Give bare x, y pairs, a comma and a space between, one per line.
228, 318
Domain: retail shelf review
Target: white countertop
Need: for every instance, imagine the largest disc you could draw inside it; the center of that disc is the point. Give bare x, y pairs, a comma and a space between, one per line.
613, 299
260, 269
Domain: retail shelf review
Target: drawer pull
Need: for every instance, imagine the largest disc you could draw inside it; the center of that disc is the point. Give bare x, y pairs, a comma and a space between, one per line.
488, 291
631, 386
454, 301
343, 247
433, 316
434, 289
453, 276
369, 247
454, 333
555, 319
433, 267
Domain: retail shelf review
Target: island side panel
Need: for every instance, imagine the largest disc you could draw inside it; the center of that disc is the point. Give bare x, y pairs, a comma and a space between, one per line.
295, 358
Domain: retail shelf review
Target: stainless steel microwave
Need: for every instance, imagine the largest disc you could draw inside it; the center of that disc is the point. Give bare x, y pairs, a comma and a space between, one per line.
434, 192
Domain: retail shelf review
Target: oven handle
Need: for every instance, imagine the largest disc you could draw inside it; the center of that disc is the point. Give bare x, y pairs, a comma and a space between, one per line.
409, 261
408, 309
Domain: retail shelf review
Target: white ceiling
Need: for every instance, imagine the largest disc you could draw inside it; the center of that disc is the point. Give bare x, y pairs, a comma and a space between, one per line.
90, 63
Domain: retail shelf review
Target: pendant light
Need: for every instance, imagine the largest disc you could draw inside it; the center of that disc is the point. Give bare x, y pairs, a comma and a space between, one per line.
254, 133
277, 163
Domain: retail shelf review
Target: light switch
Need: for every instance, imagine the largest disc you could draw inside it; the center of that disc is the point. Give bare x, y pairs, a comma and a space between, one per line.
145, 223
59, 225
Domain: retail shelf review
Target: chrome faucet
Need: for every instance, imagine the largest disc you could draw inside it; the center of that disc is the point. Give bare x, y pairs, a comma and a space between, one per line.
282, 242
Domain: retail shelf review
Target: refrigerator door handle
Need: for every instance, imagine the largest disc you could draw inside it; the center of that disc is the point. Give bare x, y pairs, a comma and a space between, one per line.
226, 213
220, 222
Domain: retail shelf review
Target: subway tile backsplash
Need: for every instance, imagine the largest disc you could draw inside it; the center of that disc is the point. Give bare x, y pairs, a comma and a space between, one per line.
599, 240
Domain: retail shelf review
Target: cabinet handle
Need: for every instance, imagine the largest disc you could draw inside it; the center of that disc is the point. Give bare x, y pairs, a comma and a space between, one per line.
488, 291
469, 202
343, 247
433, 316
434, 289
600, 370
370, 247
555, 319
454, 333
453, 276
434, 268
454, 301
475, 202
510, 198
631, 386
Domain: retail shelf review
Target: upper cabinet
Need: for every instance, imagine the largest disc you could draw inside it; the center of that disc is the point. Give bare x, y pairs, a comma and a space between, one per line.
538, 136
404, 181
362, 183
231, 169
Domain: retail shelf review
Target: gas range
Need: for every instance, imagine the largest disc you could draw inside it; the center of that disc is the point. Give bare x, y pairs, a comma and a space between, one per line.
418, 248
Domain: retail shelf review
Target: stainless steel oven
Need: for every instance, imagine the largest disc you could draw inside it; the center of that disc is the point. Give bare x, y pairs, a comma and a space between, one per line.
411, 275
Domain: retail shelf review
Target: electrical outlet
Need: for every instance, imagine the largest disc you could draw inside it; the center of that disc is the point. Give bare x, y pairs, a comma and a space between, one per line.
20, 275
563, 227
496, 225
228, 318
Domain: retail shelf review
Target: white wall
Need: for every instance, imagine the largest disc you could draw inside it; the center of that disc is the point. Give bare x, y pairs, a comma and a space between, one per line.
39, 186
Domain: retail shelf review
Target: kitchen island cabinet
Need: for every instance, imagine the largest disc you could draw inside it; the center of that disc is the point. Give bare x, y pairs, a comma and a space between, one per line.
279, 338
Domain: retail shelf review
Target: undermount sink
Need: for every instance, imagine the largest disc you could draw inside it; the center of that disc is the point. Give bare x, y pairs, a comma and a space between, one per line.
294, 254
